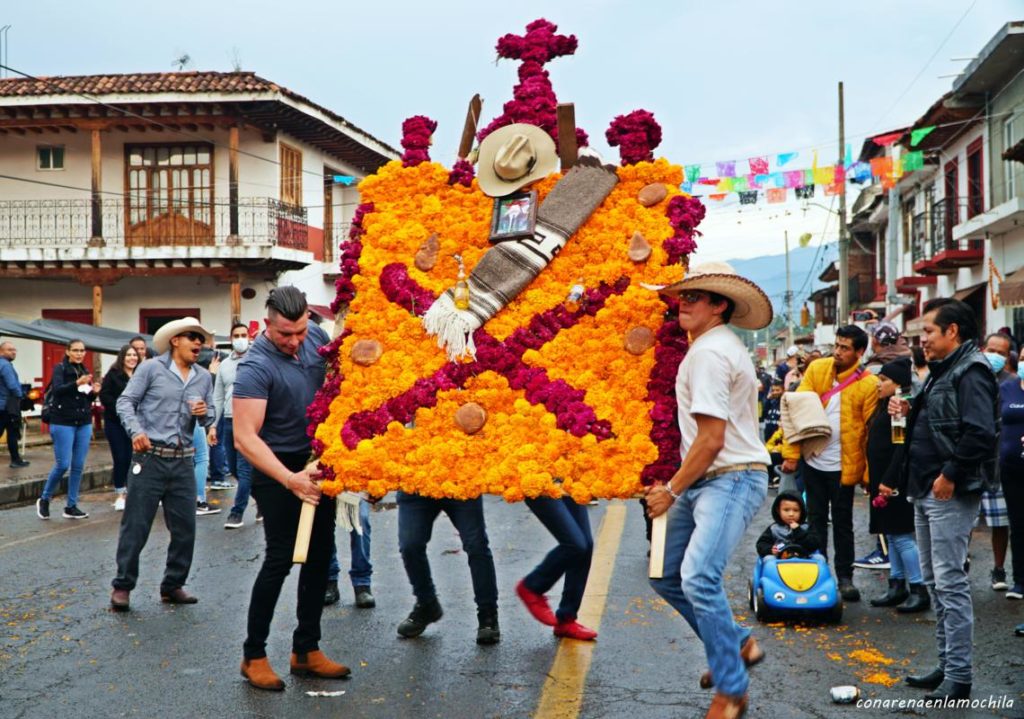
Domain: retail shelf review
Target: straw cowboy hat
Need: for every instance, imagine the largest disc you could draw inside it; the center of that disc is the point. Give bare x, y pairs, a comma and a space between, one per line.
162, 338
513, 156
753, 309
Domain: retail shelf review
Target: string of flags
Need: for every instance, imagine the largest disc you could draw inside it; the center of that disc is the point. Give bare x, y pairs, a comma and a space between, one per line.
759, 179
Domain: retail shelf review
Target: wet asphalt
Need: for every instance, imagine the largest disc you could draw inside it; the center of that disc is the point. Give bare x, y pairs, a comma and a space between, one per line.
64, 654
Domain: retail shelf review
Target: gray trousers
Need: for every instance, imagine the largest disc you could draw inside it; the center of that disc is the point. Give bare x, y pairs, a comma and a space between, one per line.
943, 530
163, 479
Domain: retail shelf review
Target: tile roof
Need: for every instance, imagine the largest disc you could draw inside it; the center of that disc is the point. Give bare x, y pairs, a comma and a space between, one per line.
242, 83
142, 82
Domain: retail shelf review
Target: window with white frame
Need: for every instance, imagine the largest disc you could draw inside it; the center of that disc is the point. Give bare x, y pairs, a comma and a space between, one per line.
50, 157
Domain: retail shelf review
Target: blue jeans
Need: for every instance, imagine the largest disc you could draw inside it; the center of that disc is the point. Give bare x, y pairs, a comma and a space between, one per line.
238, 465
359, 544
416, 517
218, 458
905, 562
70, 447
943, 531
704, 527
569, 524
200, 460
120, 451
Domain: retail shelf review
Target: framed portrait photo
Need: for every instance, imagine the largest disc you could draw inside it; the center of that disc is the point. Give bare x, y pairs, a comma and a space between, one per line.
514, 216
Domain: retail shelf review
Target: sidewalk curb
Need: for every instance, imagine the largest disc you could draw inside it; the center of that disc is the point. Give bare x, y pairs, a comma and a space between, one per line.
30, 489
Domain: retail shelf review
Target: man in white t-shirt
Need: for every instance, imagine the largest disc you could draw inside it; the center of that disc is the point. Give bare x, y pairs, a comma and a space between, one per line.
723, 478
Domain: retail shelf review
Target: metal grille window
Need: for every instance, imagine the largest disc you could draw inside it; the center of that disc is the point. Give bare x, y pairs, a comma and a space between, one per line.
975, 180
291, 175
166, 178
50, 157
1010, 138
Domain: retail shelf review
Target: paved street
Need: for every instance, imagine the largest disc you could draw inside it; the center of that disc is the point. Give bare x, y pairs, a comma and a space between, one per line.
63, 654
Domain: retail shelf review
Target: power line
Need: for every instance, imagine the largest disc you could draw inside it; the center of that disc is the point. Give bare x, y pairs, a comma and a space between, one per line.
927, 64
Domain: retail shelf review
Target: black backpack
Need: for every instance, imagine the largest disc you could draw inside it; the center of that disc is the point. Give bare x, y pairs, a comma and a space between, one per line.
44, 413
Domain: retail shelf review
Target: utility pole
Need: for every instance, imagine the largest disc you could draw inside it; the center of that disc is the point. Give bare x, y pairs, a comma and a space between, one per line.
789, 296
844, 242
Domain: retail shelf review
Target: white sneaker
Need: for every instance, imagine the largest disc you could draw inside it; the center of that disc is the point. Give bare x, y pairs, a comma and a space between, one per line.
119, 503
202, 508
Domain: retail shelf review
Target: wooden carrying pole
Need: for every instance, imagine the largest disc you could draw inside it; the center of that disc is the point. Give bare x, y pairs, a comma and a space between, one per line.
303, 533
656, 569
305, 529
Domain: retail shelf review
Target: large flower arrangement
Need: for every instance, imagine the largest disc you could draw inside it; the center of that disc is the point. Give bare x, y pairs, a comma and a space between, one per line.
568, 407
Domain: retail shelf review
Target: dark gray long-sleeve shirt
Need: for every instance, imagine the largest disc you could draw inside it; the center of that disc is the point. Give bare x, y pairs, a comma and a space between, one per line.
155, 402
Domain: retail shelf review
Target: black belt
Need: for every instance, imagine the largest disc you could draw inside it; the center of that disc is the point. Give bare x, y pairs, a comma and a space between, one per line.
172, 452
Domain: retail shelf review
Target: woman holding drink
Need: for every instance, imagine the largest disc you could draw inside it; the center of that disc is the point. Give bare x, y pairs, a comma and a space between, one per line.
890, 512
72, 393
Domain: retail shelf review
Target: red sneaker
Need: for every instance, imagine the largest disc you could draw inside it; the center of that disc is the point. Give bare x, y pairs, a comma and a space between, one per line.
536, 604
574, 630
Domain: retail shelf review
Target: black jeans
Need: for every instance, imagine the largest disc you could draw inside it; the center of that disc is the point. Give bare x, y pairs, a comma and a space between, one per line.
281, 511
416, 517
120, 451
825, 489
11, 423
1013, 492
162, 479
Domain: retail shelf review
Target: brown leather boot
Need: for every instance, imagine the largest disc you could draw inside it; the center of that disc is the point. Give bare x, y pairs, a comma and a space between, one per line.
260, 675
751, 654
316, 664
724, 706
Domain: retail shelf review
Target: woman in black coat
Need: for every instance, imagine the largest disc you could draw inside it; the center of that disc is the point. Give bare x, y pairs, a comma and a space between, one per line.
72, 392
114, 382
891, 514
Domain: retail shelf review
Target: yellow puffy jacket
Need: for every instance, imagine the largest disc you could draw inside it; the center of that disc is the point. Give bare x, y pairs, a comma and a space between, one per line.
857, 404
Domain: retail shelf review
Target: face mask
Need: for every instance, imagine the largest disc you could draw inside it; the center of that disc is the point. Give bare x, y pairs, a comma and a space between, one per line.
240, 344
997, 361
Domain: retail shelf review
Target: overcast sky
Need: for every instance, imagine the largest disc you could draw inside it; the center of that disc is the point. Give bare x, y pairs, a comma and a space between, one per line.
726, 79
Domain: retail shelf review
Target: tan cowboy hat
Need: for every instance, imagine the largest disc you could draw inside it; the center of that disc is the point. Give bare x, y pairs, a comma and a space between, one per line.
513, 156
162, 338
753, 309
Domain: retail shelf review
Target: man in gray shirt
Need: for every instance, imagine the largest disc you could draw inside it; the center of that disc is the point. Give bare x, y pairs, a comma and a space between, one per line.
223, 391
159, 408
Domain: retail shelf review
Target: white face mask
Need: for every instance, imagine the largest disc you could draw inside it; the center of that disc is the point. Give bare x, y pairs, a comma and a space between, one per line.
240, 344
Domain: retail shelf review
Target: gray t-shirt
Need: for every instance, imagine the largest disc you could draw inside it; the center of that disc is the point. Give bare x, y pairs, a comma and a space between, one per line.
287, 383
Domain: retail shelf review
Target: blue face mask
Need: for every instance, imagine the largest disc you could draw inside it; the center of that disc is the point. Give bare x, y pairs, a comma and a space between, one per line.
997, 361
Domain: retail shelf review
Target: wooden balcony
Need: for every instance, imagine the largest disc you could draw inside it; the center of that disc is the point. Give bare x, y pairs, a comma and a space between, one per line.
935, 250
56, 238
912, 285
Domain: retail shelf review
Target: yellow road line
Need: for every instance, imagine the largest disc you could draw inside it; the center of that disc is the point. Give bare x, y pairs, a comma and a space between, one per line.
562, 695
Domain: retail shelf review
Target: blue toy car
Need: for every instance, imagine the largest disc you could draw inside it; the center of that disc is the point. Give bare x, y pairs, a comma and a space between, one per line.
789, 586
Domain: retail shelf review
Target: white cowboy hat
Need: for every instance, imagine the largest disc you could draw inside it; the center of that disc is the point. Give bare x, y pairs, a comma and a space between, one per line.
162, 338
513, 156
753, 309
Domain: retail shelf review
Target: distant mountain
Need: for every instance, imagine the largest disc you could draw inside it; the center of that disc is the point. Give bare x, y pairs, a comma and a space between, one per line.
805, 264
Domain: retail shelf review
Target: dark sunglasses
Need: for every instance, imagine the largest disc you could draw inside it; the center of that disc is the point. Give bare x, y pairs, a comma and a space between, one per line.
692, 298
193, 336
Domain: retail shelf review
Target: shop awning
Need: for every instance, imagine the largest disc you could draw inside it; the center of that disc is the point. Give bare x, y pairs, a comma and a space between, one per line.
97, 339
1011, 290
105, 340
963, 294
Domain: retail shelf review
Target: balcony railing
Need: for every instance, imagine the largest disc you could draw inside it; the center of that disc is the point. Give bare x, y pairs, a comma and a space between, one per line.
68, 223
933, 231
